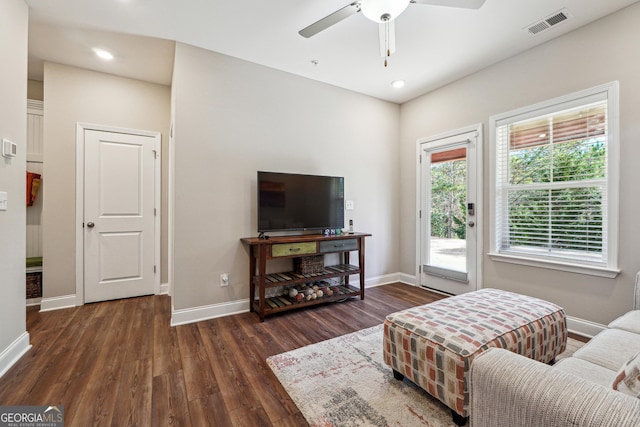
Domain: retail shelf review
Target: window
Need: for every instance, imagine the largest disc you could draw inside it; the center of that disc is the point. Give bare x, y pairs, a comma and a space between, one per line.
554, 183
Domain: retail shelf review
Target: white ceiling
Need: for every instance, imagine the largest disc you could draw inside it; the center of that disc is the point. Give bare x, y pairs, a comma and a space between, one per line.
435, 45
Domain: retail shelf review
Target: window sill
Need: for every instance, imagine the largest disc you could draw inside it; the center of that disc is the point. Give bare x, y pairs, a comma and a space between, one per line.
554, 265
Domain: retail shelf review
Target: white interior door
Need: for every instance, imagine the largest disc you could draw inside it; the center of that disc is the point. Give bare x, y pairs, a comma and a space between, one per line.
119, 215
450, 176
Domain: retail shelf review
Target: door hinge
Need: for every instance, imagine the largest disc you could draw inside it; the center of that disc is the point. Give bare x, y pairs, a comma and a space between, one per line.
155, 154
154, 269
154, 212
420, 214
419, 269
420, 158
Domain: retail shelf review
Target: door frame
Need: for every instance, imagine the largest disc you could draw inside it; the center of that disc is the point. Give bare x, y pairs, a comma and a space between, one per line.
479, 207
80, 131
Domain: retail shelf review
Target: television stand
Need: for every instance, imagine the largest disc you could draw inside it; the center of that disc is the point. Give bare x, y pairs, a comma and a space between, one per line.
286, 247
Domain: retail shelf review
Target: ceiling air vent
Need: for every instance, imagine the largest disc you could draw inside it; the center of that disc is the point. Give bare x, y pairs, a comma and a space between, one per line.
548, 22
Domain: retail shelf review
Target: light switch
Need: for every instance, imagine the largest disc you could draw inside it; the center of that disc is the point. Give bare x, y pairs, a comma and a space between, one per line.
349, 205
9, 149
3, 201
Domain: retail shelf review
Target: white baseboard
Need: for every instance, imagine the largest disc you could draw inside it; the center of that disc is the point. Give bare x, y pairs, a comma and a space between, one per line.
164, 288
13, 353
33, 301
372, 282
583, 327
409, 279
386, 279
58, 303
206, 312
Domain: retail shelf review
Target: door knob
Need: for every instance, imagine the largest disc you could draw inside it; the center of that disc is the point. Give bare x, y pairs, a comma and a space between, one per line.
471, 223
90, 224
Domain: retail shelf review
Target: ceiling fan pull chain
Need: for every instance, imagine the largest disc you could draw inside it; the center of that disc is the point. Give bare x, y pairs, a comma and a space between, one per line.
386, 40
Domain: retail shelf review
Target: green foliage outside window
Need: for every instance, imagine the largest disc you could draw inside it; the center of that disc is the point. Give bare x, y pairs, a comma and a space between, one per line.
568, 216
448, 199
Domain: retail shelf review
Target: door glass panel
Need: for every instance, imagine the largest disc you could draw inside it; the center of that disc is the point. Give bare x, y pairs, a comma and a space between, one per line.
448, 210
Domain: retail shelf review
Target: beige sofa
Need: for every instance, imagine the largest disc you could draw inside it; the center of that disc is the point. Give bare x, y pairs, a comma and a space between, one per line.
508, 390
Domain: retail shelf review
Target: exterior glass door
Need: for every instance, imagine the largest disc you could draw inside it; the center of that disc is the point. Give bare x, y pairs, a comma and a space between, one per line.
448, 214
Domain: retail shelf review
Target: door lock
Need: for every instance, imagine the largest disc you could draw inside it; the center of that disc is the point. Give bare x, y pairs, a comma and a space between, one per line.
471, 223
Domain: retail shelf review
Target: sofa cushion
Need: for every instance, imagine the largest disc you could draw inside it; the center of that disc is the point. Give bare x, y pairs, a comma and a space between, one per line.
628, 378
628, 322
610, 349
586, 370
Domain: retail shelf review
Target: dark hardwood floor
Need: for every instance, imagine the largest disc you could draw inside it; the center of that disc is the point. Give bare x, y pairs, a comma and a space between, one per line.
120, 363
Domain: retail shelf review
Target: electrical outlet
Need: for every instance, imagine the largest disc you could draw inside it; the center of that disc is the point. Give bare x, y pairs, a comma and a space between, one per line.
349, 205
224, 279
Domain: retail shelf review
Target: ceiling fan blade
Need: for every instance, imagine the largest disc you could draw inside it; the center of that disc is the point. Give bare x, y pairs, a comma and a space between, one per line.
387, 38
465, 4
330, 20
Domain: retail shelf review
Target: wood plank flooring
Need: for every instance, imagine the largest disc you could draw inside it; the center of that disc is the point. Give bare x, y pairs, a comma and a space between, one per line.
119, 363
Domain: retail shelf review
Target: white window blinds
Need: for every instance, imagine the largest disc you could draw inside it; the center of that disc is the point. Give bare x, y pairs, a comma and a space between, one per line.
552, 182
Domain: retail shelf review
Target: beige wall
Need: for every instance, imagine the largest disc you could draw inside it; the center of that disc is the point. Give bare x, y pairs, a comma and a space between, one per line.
13, 126
76, 95
233, 118
35, 90
599, 53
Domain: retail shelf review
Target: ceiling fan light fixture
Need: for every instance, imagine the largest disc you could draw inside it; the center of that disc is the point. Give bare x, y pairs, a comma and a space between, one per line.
383, 10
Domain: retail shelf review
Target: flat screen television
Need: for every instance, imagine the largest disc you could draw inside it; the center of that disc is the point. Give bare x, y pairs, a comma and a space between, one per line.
293, 202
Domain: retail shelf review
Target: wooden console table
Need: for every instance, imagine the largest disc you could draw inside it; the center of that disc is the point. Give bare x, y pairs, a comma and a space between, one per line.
263, 250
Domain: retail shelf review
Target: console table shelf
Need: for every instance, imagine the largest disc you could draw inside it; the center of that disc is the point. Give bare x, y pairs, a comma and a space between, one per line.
264, 250
284, 303
293, 278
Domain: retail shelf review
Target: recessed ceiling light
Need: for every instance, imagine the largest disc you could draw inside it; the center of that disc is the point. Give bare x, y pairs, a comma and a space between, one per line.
103, 54
398, 84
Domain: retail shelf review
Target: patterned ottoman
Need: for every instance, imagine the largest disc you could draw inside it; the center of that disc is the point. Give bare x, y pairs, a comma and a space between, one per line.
433, 345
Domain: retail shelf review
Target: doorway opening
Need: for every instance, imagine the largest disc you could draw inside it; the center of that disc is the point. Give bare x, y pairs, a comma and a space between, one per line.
449, 253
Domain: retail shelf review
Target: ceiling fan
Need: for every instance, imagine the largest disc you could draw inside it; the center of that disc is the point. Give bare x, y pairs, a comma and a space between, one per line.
384, 12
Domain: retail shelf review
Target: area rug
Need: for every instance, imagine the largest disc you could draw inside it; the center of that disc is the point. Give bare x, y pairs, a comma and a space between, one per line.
344, 382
